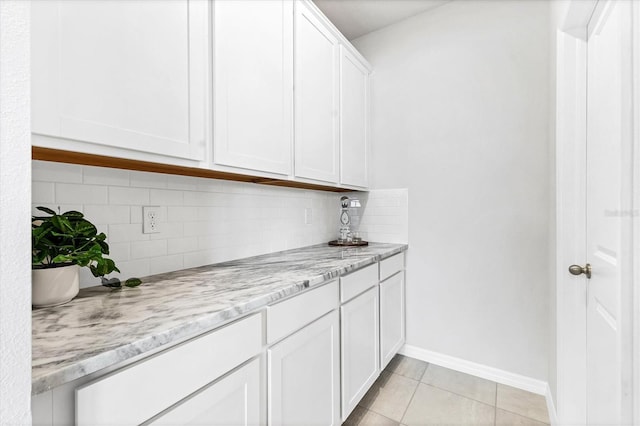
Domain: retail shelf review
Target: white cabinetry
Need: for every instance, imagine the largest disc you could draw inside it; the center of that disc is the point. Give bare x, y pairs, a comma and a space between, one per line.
316, 97
253, 89
392, 308
304, 376
301, 360
128, 75
359, 338
391, 317
232, 401
149, 387
354, 85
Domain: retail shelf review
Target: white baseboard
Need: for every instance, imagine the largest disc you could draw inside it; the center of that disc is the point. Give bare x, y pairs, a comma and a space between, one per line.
483, 371
551, 407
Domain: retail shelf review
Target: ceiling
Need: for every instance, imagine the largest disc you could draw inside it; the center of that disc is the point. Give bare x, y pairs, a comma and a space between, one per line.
355, 18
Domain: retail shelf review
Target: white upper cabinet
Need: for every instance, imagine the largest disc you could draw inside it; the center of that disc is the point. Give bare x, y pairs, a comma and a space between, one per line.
354, 82
124, 74
316, 97
253, 84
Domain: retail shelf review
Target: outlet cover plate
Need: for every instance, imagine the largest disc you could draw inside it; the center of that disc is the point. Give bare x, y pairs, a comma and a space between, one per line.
150, 219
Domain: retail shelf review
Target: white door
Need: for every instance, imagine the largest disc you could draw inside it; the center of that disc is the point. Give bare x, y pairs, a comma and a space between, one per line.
360, 348
232, 401
304, 376
316, 98
125, 74
354, 84
253, 84
608, 233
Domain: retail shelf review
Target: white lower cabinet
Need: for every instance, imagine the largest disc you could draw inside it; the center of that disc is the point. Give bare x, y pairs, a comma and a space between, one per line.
307, 360
233, 400
149, 387
304, 376
391, 317
359, 347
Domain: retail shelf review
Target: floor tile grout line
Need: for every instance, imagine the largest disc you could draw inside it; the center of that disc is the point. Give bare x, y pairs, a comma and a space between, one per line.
404, 413
495, 406
459, 394
523, 416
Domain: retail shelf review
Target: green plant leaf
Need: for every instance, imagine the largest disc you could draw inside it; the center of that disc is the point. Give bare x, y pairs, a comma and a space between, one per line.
86, 228
62, 223
133, 282
62, 258
104, 246
72, 214
46, 210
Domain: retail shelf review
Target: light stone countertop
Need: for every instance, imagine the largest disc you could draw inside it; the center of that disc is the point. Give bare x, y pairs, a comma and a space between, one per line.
101, 328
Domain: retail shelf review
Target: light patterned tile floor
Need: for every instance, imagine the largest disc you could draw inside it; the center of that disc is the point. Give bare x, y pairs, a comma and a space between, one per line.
410, 392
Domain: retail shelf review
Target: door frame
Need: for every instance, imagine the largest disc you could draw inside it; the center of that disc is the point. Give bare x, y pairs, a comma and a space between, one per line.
570, 292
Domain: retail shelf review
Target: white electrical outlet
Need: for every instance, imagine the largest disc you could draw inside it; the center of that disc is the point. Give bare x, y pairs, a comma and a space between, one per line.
150, 219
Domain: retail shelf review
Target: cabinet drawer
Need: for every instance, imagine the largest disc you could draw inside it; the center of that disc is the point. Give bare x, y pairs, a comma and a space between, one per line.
391, 265
355, 283
233, 400
286, 317
139, 392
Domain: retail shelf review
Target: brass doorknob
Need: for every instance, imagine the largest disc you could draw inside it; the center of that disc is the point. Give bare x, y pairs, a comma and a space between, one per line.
579, 270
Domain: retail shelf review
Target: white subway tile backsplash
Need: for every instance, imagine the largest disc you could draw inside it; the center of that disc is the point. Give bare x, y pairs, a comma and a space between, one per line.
384, 216
185, 183
119, 251
197, 198
75, 193
181, 213
148, 180
182, 245
200, 258
148, 249
105, 176
128, 196
138, 268
166, 197
161, 264
45, 171
202, 221
168, 230
136, 214
42, 192
106, 214
126, 232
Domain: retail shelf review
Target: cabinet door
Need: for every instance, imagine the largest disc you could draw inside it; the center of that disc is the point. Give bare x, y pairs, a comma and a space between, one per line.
354, 81
391, 317
360, 349
253, 91
316, 98
125, 74
231, 401
304, 376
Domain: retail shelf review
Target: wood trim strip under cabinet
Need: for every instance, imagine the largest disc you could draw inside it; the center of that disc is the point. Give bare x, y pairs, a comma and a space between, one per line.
71, 157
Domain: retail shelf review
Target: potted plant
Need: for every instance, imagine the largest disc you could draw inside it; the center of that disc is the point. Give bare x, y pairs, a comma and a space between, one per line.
61, 243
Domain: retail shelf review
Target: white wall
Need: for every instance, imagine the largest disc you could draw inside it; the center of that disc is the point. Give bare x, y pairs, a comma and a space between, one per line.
460, 104
202, 221
15, 239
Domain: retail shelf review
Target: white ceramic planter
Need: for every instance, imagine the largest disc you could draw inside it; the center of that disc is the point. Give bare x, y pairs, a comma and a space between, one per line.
54, 286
